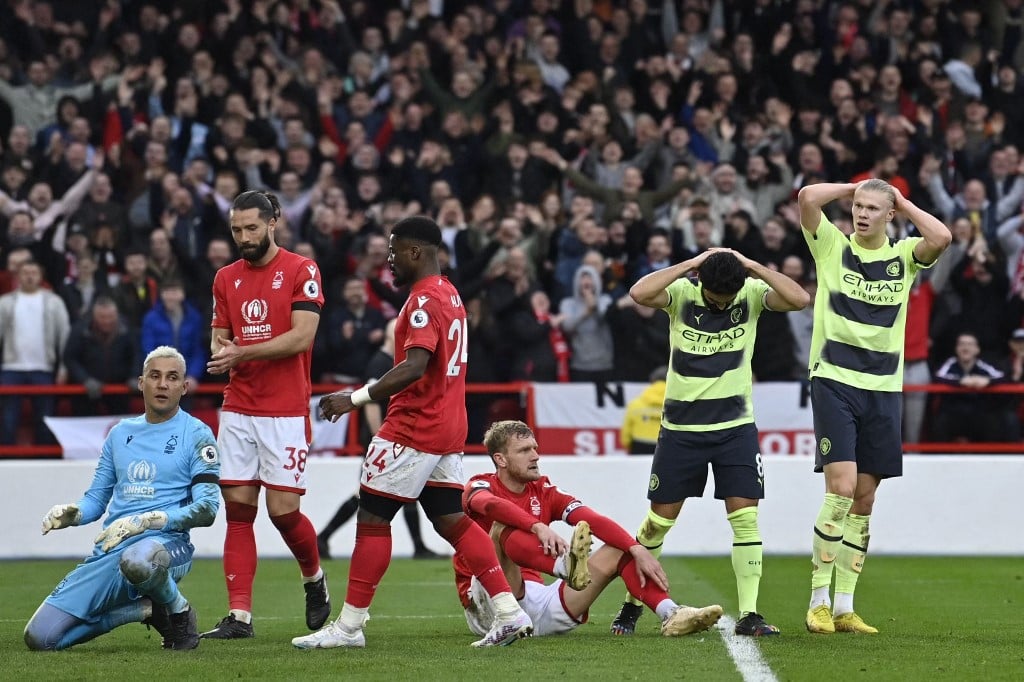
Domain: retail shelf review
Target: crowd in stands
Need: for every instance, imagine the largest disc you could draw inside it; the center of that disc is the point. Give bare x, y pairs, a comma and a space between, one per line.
566, 147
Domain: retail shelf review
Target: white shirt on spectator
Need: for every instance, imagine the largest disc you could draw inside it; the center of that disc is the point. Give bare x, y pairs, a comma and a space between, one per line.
29, 341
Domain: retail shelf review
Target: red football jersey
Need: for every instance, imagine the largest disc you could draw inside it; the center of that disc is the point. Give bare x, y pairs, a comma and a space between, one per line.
430, 414
541, 499
256, 304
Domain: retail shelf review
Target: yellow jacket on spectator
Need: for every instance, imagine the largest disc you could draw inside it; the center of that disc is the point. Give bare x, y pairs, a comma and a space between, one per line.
643, 420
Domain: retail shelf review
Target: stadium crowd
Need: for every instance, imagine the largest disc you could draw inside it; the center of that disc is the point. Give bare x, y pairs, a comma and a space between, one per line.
566, 148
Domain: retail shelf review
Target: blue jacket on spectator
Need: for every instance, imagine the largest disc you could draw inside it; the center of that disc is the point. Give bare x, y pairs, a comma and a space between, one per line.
159, 330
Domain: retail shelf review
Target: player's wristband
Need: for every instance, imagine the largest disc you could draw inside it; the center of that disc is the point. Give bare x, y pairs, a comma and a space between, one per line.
361, 396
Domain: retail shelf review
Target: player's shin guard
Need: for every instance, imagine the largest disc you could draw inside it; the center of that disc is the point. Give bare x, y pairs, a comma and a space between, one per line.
370, 560
240, 555
746, 557
652, 536
523, 549
300, 536
473, 544
850, 561
650, 594
828, 533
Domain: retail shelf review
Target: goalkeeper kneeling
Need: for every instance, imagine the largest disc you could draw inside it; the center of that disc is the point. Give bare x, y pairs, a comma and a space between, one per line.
157, 478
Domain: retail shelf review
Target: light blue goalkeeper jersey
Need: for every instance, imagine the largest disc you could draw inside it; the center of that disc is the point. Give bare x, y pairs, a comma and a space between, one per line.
173, 467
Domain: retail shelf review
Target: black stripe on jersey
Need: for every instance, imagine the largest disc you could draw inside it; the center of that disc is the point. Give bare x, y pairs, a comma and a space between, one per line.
714, 322
860, 359
311, 306
703, 412
873, 271
205, 478
863, 312
705, 366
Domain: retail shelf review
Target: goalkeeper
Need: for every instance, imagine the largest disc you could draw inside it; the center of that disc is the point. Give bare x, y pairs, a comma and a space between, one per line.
157, 478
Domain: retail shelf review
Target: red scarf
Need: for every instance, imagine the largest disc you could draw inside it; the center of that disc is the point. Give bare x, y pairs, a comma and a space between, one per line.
559, 346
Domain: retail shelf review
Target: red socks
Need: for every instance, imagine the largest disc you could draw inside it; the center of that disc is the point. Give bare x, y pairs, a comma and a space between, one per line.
240, 554
300, 536
370, 559
524, 549
477, 552
651, 595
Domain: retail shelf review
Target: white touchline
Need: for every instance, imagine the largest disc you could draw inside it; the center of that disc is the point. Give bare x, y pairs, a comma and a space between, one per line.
745, 653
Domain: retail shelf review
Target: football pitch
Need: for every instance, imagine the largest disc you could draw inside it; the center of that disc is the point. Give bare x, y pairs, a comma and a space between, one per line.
940, 619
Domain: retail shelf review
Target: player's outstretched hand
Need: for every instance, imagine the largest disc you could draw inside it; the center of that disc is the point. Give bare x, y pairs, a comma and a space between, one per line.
127, 526
648, 567
61, 516
333, 405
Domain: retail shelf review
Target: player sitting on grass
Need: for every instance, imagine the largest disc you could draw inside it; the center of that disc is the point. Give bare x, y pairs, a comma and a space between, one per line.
516, 504
156, 479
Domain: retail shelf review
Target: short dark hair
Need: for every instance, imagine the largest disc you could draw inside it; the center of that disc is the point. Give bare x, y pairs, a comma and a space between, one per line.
266, 202
418, 228
722, 273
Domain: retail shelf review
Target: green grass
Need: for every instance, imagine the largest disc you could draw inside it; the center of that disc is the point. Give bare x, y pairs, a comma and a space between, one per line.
941, 619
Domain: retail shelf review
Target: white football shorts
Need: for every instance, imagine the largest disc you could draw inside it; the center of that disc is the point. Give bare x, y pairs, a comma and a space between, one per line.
401, 473
542, 603
268, 451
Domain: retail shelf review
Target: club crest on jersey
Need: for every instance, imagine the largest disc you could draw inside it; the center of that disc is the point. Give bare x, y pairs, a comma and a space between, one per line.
311, 289
893, 269
278, 280
419, 318
170, 445
535, 505
209, 454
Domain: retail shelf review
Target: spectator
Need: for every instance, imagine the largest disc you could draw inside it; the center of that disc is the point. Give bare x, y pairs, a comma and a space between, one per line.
351, 335
971, 416
175, 322
87, 286
101, 350
613, 198
583, 322
642, 424
34, 329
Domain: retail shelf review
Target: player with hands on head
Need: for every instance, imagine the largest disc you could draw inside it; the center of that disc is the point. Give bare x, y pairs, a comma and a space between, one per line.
516, 505
266, 309
708, 416
417, 452
156, 479
856, 372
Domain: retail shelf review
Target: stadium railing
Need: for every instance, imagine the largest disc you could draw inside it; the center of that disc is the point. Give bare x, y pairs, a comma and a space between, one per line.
508, 400
511, 400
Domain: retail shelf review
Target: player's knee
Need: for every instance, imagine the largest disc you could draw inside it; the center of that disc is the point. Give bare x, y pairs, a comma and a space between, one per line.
36, 639
496, 530
40, 635
140, 561
863, 503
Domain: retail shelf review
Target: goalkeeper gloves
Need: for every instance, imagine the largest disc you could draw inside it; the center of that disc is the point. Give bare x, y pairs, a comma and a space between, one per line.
61, 516
127, 526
